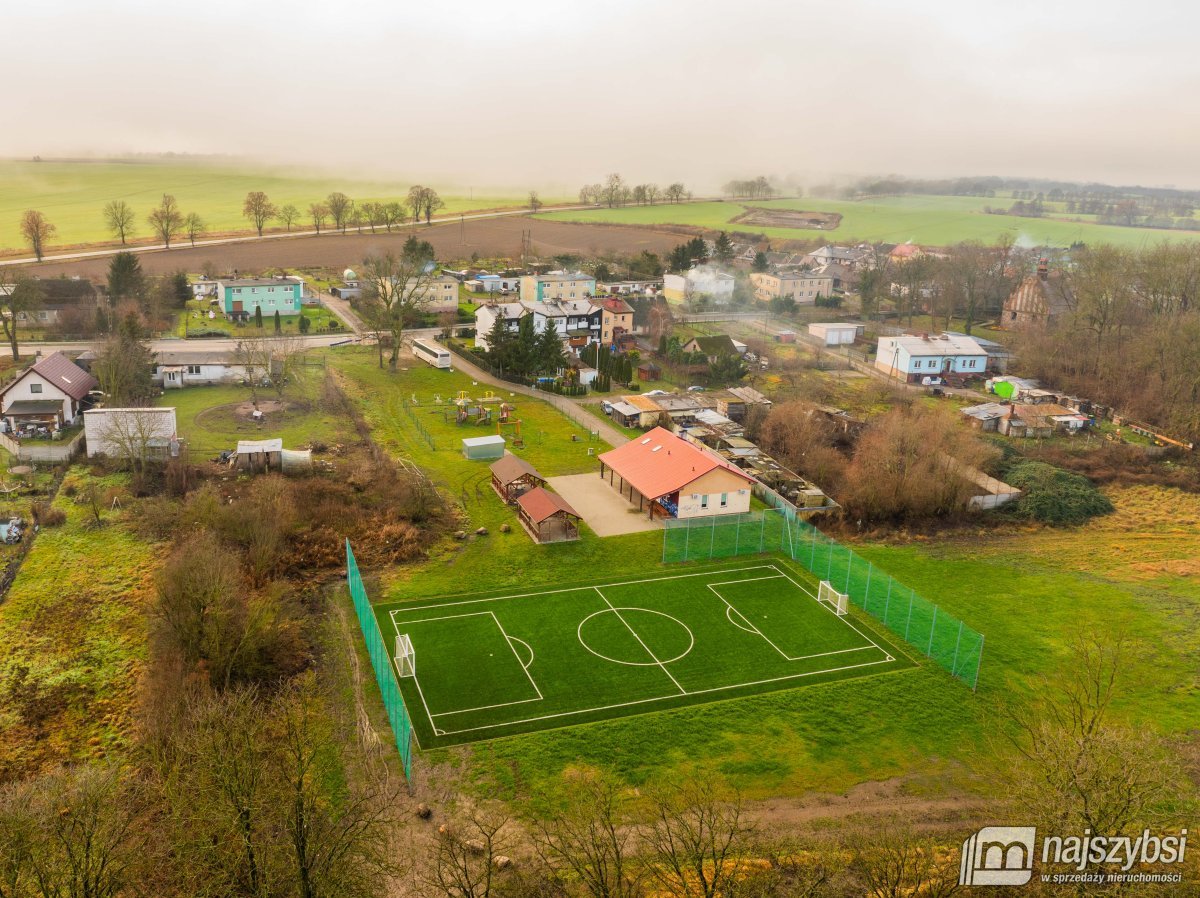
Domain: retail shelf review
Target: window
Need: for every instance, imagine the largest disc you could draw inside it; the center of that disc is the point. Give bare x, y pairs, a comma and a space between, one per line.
35, 388
724, 499
193, 369
704, 501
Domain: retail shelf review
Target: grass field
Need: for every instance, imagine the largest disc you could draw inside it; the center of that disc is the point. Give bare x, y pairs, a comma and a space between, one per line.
72, 194
519, 662
931, 220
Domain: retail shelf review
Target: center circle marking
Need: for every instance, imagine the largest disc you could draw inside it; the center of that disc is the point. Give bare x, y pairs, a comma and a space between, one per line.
630, 617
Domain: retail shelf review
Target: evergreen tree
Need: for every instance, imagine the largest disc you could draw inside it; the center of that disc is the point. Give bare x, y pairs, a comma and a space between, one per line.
549, 353
181, 289
760, 262
278, 323
524, 353
304, 324
662, 345
498, 339
258, 317
125, 278
723, 249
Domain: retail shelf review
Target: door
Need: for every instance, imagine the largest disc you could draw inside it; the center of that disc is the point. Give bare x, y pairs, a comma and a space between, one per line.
237, 305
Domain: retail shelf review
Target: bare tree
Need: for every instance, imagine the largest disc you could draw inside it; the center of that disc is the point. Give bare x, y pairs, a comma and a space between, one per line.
535, 202
258, 209
119, 218
37, 230
166, 219
694, 841
394, 289
653, 192
892, 861
614, 190
17, 299
319, 213
194, 226
593, 839
287, 362
253, 356
289, 215
393, 214
675, 192
339, 206
464, 864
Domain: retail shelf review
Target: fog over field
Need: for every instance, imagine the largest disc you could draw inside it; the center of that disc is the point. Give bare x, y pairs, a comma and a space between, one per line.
553, 94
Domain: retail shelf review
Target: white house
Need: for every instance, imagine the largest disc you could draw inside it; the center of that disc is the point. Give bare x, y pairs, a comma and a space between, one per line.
834, 334
485, 320
51, 394
703, 280
494, 283
126, 432
911, 357
192, 368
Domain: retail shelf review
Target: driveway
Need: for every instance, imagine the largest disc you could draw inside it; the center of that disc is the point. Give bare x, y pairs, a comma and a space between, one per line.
602, 507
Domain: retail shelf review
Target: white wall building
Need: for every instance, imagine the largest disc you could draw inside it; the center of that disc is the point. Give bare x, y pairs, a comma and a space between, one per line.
834, 334
129, 432
703, 280
911, 357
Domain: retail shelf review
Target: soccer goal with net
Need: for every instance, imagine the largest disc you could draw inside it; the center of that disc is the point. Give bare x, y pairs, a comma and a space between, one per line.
839, 601
406, 658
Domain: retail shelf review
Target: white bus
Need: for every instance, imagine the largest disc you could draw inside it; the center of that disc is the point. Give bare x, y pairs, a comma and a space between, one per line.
432, 353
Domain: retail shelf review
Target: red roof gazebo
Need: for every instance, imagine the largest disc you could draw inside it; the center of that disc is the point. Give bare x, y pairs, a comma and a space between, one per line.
547, 516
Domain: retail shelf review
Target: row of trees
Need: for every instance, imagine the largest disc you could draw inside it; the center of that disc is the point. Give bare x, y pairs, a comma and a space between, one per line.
759, 188
614, 192
526, 353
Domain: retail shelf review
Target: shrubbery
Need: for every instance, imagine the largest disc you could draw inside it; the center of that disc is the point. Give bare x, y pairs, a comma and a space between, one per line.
1054, 496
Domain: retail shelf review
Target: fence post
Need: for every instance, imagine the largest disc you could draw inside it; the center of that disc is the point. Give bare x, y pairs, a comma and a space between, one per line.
908, 622
762, 533
957, 643
712, 540
849, 565
812, 559
687, 539
978, 663
867, 591
887, 602
932, 628
829, 561
666, 537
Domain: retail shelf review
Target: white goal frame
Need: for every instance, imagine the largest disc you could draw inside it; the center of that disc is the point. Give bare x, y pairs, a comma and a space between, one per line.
839, 601
406, 656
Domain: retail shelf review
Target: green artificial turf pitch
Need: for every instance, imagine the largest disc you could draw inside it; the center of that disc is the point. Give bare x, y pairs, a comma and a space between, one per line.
498, 665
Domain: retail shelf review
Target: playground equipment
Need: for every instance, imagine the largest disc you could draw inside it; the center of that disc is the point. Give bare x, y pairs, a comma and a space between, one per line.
515, 425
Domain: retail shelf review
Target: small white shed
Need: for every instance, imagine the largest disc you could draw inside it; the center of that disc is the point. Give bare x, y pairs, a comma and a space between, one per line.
490, 447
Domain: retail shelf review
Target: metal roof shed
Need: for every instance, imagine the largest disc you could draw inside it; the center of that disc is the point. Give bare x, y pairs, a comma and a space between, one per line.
490, 447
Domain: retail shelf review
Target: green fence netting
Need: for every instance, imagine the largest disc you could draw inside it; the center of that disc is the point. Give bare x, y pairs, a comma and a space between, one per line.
935, 633
385, 675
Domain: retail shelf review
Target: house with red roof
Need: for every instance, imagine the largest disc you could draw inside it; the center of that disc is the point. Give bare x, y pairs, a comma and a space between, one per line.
666, 476
50, 394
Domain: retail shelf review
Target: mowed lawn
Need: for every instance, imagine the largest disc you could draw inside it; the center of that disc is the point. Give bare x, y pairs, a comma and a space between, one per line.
73, 194
931, 220
531, 660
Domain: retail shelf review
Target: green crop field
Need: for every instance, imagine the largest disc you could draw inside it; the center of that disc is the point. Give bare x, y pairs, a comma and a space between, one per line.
930, 220
496, 665
73, 194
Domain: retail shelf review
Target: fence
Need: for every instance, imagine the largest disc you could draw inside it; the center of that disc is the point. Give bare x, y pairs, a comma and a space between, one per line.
385, 675
937, 634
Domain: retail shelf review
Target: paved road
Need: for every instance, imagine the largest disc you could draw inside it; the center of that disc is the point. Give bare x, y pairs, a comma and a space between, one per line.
175, 344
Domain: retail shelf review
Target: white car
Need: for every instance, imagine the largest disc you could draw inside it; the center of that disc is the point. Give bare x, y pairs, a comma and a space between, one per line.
655, 393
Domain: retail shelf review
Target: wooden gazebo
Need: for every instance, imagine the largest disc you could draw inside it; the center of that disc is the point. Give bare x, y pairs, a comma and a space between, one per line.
512, 476
547, 517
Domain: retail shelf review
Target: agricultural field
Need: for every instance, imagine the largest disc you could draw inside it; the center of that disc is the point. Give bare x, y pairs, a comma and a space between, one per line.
930, 220
73, 194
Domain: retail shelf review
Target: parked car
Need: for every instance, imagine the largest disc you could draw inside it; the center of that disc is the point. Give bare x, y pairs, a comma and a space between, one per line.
695, 389
655, 393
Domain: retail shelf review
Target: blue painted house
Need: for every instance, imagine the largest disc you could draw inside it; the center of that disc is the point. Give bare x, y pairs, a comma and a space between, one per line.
241, 296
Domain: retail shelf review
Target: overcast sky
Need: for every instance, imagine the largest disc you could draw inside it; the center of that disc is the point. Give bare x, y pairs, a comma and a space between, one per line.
556, 93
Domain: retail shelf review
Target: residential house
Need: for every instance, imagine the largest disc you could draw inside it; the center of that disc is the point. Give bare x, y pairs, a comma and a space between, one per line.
851, 257
438, 294
60, 299
240, 297
130, 432
703, 280
197, 367
616, 318
911, 357
802, 286
557, 285
494, 283
48, 395
667, 476
486, 315
713, 346
1037, 301
628, 288
904, 252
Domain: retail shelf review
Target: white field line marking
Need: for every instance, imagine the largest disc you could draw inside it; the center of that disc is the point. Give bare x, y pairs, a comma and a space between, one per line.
532, 682
549, 592
528, 646
653, 657
786, 657
661, 698
508, 639
845, 618
749, 627
417, 681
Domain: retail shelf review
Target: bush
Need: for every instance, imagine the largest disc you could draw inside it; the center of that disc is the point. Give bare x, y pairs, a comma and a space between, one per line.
1054, 496
46, 515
